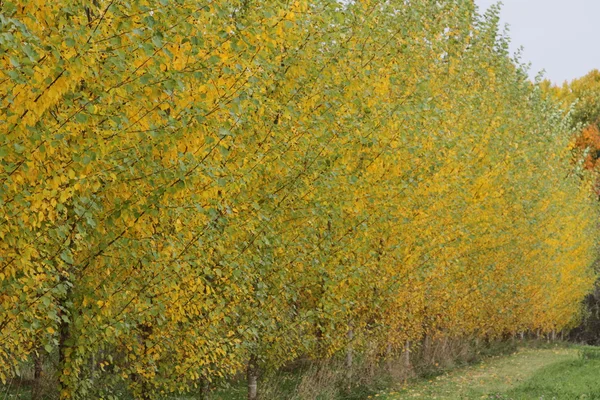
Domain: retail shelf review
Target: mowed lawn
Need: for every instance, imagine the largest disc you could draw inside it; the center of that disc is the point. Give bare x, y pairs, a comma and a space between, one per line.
561, 373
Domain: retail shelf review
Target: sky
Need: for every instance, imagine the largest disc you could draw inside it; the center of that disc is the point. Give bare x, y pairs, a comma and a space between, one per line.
558, 36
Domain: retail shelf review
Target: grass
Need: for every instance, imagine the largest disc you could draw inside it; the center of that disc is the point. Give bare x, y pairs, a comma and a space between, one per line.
561, 373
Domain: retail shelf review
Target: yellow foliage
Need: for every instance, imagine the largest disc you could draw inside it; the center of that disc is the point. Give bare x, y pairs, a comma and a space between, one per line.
186, 187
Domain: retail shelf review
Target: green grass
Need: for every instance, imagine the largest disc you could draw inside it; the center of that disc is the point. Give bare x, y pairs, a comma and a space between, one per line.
578, 379
561, 373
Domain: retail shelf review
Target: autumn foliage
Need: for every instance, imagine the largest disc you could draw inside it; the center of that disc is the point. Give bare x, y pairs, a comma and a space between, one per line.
588, 143
580, 98
188, 188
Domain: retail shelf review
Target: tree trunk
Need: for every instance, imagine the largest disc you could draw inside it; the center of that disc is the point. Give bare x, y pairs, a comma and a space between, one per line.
349, 357
65, 345
406, 356
427, 349
204, 389
37, 390
389, 358
349, 354
252, 375
146, 330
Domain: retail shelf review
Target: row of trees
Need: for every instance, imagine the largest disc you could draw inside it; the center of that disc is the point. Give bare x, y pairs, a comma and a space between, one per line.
190, 189
581, 98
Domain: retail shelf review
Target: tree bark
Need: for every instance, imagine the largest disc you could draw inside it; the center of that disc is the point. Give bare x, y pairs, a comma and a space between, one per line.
389, 358
252, 376
37, 390
349, 357
427, 357
406, 356
65, 345
204, 389
349, 351
146, 330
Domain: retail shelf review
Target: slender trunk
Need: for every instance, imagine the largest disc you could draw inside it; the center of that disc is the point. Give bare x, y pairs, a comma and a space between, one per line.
554, 335
445, 347
63, 361
349, 351
406, 365
406, 356
38, 388
146, 331
66, 341
65, 345
204, 389
427, 348
92, 366
252, 375
389, 358
349, 357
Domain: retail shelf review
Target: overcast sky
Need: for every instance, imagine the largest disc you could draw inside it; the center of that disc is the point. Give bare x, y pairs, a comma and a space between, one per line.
559, 36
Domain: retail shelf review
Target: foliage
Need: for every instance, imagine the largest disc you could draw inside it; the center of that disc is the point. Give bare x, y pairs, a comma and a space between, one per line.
581, 98
186, 186
585, 93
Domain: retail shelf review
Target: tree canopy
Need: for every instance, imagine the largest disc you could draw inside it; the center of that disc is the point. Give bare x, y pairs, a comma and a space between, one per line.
190, 186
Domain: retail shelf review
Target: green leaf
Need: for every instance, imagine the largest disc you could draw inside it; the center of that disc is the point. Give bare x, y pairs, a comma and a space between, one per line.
14, 62
19, 148
66, 256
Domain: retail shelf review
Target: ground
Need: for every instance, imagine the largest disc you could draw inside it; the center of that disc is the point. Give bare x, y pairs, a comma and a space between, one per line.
561, 373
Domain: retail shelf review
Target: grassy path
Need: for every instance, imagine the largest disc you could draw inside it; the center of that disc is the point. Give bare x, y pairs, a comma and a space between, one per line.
557, 373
